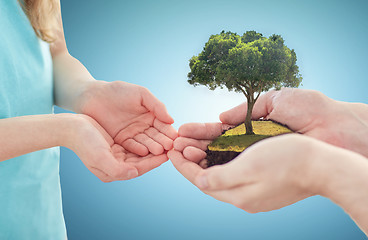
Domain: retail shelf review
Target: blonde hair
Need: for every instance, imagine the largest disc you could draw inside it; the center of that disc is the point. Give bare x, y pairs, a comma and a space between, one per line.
44, 17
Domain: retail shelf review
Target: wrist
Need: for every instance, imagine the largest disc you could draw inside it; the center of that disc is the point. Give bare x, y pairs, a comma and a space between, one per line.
346, 185
25, 134
68, 125
340, 174
88, 91
324, 168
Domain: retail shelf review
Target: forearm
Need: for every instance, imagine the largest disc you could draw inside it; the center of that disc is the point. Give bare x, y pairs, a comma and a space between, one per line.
347, 184
349, 126
71, 79
21, 135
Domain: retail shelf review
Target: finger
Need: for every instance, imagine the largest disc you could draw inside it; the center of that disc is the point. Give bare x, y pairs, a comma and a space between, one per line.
165, 128
203, 163
117, 170
182, 142
202, 131
262, 108
194, 154
162, 139
131, 130
225, 176
152, 145
135, 147
148, 163
156, 106
188, 169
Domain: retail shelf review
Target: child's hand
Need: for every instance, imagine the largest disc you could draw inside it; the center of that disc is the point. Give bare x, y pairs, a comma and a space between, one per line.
102, 156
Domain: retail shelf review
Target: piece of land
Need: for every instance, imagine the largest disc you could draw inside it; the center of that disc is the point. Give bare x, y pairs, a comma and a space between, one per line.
236, 140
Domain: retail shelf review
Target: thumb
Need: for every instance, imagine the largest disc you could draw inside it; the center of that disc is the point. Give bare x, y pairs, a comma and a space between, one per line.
235, 115
117, 170
262, 108
154, 105
221, 177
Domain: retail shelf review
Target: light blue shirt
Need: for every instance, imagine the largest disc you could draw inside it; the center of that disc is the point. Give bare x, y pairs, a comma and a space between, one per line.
30, 195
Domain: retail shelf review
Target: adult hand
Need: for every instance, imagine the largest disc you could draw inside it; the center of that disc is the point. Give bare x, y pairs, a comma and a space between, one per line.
102, 156
313, 114
279, 171
265, 177
135, 119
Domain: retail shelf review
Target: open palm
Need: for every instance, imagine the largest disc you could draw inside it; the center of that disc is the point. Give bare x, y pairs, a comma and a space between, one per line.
137, 121
106, 159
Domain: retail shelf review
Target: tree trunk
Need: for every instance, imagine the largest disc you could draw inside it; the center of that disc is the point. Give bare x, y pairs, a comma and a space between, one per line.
248, 118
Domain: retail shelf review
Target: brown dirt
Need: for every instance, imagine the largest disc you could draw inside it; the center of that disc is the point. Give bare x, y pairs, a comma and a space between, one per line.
220, 157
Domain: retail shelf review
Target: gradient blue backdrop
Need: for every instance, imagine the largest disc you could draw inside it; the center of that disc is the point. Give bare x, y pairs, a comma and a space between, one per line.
149, 43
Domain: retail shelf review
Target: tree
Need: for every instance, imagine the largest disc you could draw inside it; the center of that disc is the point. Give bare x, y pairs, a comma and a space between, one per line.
249, 64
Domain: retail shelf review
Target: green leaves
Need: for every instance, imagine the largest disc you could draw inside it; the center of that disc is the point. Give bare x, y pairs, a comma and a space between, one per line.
251, 36
250, 63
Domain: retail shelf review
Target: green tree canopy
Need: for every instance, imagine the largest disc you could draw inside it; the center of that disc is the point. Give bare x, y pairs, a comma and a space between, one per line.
249, 64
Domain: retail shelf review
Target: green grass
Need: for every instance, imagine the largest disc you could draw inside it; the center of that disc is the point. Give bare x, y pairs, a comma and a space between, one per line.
236, 140
236, 143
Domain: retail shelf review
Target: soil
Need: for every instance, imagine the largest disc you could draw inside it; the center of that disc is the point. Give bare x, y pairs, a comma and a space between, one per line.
220, 157
233, 141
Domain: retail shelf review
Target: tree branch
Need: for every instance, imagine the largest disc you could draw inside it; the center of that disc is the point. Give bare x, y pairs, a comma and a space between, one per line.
244, 86
259, 93
243, 91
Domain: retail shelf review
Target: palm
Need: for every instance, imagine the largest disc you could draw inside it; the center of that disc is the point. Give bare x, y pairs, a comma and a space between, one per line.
130, 114
110, 161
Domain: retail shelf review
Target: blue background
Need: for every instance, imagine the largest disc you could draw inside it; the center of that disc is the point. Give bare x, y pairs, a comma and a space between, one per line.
149, 43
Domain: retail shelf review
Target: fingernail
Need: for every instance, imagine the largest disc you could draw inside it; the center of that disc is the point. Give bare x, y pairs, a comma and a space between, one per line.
202, 182
132, 173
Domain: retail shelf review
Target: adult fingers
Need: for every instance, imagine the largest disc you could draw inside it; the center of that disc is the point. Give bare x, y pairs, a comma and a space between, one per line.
156, 106
202, 131
165, 128
262, 107
225, 176
194, 154
182, 142
203, 163
188, 169
208, 180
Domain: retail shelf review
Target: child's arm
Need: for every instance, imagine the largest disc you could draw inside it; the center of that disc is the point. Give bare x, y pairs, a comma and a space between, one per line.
129, 113
22, 135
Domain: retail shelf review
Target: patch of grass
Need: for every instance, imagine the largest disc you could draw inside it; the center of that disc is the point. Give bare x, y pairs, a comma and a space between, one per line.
236, 140
260, 128
236, 143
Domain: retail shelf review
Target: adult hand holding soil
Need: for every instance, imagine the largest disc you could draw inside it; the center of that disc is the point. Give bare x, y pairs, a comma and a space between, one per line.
313, 114
279, 171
